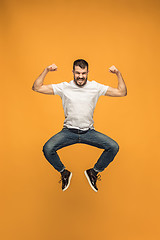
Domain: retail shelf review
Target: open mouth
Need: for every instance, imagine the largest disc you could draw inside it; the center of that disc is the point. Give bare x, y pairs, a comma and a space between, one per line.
80, 80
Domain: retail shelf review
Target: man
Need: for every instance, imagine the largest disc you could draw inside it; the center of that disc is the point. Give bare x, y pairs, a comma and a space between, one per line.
79, 98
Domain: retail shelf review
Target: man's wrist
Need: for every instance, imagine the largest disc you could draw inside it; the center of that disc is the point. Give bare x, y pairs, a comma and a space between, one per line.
118, 74
46, 70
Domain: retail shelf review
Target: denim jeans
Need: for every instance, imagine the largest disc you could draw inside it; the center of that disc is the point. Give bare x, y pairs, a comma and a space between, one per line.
91, 137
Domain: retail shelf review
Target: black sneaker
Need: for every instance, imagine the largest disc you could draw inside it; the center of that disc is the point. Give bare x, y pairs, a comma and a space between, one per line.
92, 178
65, 179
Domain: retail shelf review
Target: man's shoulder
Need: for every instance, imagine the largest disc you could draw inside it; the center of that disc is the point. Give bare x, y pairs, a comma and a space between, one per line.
61, 84
93, 83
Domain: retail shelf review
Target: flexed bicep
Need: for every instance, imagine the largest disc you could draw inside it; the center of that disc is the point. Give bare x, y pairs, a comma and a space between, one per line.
114, 92
46, 89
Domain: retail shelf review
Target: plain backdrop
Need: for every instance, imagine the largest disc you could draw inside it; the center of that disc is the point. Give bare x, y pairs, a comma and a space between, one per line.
35, 34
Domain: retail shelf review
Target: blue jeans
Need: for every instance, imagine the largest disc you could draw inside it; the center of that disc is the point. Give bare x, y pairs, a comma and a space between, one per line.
91, 137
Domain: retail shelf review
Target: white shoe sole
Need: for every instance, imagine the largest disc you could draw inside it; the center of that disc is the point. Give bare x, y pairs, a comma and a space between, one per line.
69, 179
89, 181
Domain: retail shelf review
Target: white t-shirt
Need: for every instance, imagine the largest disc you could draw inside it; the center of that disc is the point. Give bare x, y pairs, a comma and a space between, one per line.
79, 102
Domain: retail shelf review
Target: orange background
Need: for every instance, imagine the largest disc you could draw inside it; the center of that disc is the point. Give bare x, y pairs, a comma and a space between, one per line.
35, 34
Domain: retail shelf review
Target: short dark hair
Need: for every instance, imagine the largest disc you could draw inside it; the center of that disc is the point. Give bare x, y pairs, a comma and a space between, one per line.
81, 63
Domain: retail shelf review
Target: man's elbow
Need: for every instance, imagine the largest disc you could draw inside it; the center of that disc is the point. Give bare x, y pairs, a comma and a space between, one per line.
34, 89
124, 93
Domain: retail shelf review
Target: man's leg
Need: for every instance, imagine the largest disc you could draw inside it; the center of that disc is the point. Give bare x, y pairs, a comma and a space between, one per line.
62, 139
100, 140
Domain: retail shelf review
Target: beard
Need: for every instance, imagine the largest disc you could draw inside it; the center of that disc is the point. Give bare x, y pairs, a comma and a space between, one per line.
80, 82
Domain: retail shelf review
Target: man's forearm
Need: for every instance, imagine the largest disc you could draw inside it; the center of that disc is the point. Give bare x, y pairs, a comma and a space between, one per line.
39, 81
121, 84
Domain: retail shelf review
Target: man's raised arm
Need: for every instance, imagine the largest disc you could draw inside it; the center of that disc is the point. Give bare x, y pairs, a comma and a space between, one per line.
38, 84
121, 90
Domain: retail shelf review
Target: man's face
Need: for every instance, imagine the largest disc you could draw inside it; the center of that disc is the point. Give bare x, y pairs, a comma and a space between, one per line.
80, 75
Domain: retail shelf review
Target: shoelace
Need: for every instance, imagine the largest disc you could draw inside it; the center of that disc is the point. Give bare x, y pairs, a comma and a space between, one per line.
99, 177
61, 179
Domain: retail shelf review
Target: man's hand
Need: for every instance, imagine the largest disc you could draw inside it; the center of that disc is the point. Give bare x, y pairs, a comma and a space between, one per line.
52, 67
113, 69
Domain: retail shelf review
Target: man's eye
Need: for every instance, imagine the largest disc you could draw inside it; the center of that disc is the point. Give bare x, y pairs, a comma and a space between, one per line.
79, 73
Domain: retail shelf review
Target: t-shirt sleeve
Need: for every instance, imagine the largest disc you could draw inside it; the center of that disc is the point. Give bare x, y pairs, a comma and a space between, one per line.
102, 89
58, 88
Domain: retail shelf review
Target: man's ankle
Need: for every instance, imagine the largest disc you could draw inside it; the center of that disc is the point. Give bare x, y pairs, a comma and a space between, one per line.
63, 171
94, 171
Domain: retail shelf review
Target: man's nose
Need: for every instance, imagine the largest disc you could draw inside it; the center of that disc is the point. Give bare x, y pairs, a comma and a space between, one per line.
80, 75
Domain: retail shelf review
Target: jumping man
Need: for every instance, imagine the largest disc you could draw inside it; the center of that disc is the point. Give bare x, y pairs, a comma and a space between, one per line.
79, 98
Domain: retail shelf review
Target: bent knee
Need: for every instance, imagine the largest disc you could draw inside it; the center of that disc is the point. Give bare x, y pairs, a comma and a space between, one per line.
44, 149
115, 147
47, 148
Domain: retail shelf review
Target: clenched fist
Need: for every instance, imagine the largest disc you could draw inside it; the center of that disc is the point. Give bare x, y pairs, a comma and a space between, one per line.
113, 69
52, 67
